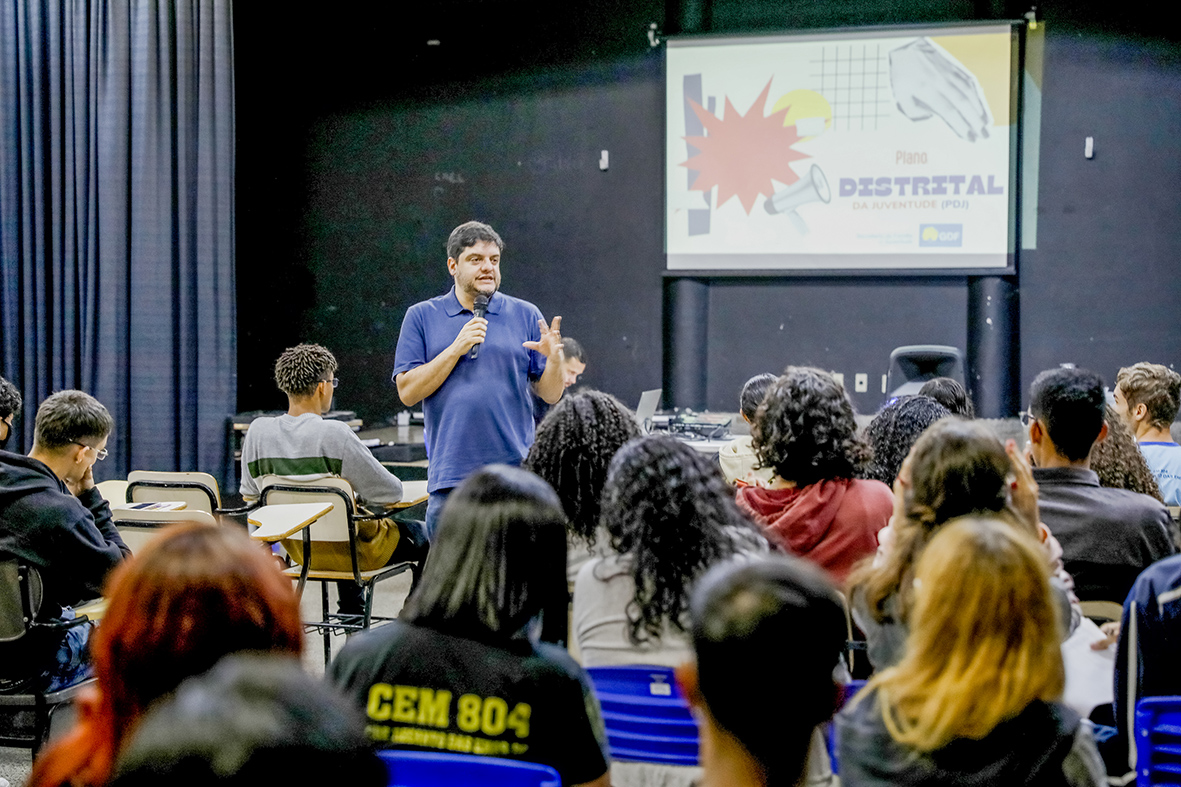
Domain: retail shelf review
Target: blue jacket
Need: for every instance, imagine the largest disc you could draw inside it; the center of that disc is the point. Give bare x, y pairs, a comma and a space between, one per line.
1147, 659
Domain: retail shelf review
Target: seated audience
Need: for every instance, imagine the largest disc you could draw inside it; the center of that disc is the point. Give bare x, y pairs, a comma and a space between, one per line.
303, 446
956, 468
1148, 395
574, 446
670, 516
1118, 462
192, 595
54, 519
737, 458
976, 698
249, 719
10, 407
742, 613
1146, 659
818, 505
573, 365
951, 395
893, 431
461, 669
1108, 536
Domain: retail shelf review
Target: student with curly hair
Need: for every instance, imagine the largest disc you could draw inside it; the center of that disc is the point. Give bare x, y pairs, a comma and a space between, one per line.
976, 700
302, 446
10, 407
575, 444
893, 431
1118, 462
819, 505
670, 516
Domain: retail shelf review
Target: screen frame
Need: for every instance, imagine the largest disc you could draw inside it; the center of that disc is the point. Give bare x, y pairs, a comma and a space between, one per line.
1017, 29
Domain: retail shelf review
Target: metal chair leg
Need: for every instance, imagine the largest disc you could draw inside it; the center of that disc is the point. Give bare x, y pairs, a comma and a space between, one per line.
327, 630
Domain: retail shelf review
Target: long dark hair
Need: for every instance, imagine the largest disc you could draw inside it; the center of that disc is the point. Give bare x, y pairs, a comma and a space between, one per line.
671, 515
498, 560
806, 430
575, 443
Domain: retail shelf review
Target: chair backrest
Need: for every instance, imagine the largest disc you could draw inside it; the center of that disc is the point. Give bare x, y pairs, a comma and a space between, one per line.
1102, 611
197, 490
423, 769
137, 527
20, 598
1158, 741
647, 718
333, 526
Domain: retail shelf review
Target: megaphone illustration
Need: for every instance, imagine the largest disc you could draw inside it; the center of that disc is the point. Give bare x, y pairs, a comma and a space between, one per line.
812, 188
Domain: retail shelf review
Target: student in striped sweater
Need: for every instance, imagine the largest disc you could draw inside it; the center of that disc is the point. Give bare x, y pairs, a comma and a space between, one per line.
303, 446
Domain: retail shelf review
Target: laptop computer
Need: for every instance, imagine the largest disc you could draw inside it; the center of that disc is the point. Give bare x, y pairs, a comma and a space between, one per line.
649, 401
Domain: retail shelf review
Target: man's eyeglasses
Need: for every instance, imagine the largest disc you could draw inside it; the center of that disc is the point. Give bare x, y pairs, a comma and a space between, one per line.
101, 453
335, 382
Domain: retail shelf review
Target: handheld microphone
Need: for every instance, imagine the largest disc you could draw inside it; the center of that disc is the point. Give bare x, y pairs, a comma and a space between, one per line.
479, 308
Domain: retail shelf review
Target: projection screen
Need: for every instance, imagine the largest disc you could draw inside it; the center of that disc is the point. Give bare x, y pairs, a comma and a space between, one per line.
879, 150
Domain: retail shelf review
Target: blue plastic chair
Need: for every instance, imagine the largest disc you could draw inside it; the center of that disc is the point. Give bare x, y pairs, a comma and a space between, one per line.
439, 769
1158, 741
849, 691
647, 718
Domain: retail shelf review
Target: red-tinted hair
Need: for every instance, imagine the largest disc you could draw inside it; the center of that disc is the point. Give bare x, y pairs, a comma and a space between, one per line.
194, 594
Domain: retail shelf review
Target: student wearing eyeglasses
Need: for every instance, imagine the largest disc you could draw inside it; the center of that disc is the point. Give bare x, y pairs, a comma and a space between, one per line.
53, 519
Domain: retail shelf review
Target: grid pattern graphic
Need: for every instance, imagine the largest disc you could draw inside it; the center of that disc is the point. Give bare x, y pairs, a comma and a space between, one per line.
854, 79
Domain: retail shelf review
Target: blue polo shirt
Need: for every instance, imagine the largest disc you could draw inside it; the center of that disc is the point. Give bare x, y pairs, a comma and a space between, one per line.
483, 412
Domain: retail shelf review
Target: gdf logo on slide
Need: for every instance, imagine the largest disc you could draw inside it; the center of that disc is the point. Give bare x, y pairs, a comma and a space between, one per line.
941, 234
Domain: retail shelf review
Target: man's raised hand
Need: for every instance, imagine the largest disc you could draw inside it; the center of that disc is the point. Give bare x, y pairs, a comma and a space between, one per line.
550, 344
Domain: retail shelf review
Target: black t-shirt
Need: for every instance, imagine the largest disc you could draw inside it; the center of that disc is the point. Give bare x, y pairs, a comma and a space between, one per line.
421, 689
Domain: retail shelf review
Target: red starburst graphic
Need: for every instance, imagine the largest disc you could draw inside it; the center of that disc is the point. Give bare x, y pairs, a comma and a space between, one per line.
741, 154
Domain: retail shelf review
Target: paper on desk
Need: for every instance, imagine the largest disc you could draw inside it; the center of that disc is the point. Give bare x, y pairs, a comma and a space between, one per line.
1089, 673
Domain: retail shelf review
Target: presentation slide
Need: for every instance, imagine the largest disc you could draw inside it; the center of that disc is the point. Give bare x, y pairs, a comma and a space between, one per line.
851, 151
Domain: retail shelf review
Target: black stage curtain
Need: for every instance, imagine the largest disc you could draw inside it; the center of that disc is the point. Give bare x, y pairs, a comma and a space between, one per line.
117, 220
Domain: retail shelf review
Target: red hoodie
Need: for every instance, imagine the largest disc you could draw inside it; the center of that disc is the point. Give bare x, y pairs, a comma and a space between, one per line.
833, 523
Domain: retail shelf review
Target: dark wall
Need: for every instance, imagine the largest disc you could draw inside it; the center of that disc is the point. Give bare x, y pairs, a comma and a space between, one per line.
387, 185
359, 150
1103, 290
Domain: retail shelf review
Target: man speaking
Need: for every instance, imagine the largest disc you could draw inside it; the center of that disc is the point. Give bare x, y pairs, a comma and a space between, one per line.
471, 357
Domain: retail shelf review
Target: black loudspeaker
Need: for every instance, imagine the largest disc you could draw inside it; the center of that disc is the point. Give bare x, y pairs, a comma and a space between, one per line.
914, 364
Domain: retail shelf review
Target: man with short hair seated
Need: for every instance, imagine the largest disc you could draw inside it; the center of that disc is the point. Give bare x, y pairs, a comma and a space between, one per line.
1108, 536
1147, 396
54, 519
744, 613
303, 446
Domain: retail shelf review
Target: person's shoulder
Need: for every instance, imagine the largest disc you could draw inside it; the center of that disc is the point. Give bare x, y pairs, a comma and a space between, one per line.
873, 494
518, 305
556, 662
369, 645
871, 488
1162, 576
1134, 503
